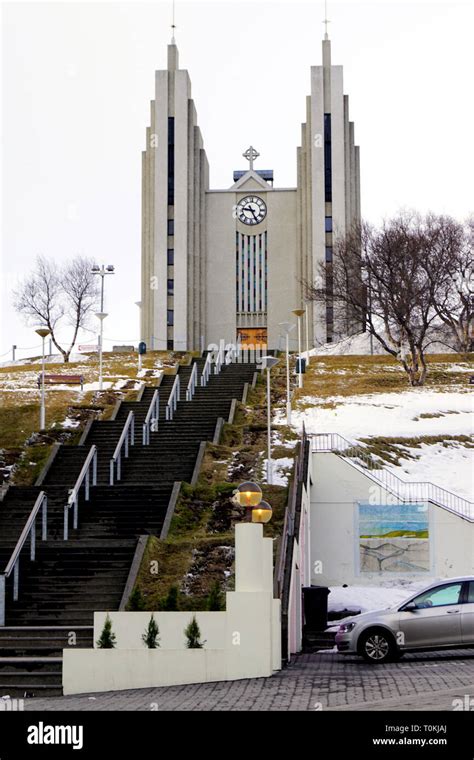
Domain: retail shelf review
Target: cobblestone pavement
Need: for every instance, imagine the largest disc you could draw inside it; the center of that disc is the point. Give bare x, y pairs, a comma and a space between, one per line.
324, 681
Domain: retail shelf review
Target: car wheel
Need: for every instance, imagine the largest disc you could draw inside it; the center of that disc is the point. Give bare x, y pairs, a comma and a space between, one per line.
377, 646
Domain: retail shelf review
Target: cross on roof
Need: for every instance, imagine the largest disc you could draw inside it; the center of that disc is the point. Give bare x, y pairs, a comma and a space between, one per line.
251, 154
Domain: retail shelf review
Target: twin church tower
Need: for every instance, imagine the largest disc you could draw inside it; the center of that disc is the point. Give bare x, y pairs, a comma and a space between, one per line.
231, 263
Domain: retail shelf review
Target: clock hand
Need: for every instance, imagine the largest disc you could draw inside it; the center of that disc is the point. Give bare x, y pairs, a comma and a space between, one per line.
249, 208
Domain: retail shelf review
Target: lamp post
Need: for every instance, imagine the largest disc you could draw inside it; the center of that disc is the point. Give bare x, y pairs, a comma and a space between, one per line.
101, 315
43, 332
307, 332
287, 327
299, 313
139, 304
262, 513
267, 363
250, 495
102, 271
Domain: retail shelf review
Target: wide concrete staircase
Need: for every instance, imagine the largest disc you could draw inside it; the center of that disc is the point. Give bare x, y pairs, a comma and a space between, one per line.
69, 580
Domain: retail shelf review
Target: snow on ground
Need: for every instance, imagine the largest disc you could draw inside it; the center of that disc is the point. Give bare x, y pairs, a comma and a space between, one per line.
393, 414
281, 468
89, 386
368, 598
451, 467
69, 423
49, 359
360, 345
412, 413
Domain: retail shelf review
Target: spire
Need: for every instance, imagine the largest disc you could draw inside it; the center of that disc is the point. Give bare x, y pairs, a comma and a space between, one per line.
173, 55
326, 40
173, 26
326, 20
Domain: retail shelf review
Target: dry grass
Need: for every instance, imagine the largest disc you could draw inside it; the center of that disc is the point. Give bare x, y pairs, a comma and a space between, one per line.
331, 376
199, 549
20, 404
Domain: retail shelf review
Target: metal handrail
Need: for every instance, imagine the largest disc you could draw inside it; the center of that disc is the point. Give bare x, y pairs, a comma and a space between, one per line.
83, 477
231, 354
206, 370
123, 443
404, 490
14, 562
219, 361
151, 419
172, 404
192, 383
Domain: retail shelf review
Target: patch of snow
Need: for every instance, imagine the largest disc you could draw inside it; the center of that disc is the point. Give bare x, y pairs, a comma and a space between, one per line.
451, 467
70, 423
369, 598
359, 344
280, 468
393, 414
95, 386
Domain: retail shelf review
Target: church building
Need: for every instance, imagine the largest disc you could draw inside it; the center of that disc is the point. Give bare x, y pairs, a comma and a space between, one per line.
231, 263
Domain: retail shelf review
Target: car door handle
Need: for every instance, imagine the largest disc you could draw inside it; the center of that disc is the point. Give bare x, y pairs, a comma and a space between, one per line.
451, 612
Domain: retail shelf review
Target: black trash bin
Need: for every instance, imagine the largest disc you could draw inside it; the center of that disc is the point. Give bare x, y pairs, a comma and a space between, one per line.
303, 366
315, 606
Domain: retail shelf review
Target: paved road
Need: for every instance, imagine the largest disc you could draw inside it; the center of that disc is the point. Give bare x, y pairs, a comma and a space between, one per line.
324, 681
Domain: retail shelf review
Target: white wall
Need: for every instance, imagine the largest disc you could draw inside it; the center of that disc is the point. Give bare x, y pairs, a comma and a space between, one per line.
129, 627
337, 487
242, 642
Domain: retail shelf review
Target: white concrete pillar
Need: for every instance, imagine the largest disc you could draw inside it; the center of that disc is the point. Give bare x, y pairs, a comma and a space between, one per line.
249, 557
267, 561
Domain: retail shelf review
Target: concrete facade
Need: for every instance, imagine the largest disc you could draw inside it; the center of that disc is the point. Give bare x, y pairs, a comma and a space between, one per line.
337, 488
211, 271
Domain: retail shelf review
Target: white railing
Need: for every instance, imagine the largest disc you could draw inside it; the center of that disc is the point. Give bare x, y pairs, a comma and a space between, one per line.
219, 360
127, 438
231, 354
404, 490
172, 404
151, 419
206, 370
192, 383
13, 565
88, 468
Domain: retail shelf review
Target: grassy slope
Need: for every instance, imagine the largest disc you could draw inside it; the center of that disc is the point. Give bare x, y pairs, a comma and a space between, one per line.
199, 548
332, 378
21, 445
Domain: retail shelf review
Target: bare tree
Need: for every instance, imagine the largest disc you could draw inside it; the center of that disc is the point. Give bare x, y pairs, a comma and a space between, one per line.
54, 297
378, 278
450, 267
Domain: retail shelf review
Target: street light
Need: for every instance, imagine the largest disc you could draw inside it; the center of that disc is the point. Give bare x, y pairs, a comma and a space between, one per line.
102, 271
267, 363
43, 332
248, 494
262, 513
299, 313
101, 315
307, 332
287, 327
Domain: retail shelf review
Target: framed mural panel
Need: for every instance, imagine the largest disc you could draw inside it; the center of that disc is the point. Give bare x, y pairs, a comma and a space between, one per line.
393, 538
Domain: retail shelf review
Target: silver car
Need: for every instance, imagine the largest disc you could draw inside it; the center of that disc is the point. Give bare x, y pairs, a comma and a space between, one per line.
440, 617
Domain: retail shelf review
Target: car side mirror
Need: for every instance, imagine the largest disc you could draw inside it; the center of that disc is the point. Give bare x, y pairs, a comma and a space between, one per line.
410, 607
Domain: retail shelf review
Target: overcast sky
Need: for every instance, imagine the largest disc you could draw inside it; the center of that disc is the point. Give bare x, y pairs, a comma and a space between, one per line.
78, 78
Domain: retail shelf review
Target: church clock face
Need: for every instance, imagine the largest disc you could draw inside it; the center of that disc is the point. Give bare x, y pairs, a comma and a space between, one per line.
251, 210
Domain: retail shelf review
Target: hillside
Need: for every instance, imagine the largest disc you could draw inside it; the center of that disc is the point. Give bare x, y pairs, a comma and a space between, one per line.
22, 449
419, 433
